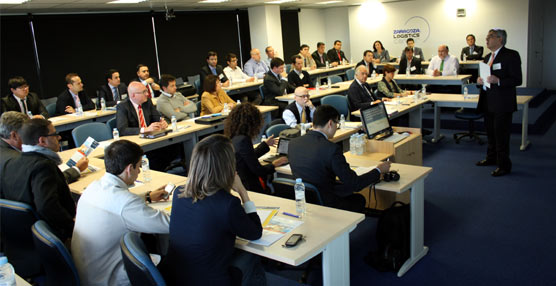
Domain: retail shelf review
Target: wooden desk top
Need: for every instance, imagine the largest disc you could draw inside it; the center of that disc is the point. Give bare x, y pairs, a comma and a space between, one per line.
70, 118
190, 97
426, 63
407, 103
324, 90
420, 77
449, 97
324, 70
240, 85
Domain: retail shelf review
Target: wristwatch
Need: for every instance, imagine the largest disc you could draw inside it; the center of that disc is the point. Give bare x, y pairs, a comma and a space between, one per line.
148, 197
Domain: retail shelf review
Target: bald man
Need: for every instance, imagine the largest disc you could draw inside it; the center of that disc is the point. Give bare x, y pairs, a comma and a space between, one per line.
444, 63
294, 112
137, 114
254, 66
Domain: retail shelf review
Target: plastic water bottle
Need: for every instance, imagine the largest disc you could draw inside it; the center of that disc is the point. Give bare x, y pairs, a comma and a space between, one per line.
358, 150
342, 122
465, 92
226, 108
317, 85
115, 134
407, 72
327, 65
464, 57
238, 102
29, 113
299, 197
373, 75
352, 150
102, 104
146, 169
303, 129
79, 109
174, 123
263, 138
329, 83
7, 273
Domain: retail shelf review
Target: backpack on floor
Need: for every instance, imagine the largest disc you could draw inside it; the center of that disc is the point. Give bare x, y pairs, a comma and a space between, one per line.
393, 235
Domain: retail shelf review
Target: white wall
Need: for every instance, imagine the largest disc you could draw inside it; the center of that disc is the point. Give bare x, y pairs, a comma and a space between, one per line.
311, 23
325, 25
378, 21
265, 28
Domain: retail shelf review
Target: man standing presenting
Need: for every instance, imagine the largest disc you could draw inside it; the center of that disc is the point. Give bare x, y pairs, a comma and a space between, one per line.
498, 101
444, 63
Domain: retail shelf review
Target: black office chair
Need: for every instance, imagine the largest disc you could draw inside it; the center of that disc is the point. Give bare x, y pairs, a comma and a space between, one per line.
140, 269
56, 259
112, 123
471, 116
16, 220
283, 187
199, 107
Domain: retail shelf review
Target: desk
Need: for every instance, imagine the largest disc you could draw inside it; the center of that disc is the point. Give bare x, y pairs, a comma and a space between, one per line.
70, 121
434, 80
324, 72
241, 87
20, 282
471, 64
193, 97
408, 105
456, 100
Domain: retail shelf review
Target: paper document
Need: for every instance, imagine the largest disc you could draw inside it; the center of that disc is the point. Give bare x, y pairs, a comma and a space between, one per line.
353, 125
86, 148
362, 170
265, 215
276, 229
484, 73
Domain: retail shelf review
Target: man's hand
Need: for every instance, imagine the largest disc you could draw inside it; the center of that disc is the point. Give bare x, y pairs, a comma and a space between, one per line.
82, 164
480, 81
177, 109
493, 79
384, 167
334, 64
436, 73
38, 116
186, 103
309, 103
163, 123
69, 109
280, 161
226, 84
271, 141
155, 126
251, 79
158, 194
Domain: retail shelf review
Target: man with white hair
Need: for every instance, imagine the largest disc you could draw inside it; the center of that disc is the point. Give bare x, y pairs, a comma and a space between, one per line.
254, 66
359, 92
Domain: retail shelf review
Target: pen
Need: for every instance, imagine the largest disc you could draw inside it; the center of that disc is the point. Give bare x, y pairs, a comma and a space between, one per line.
138, 181
268, 208
289, 214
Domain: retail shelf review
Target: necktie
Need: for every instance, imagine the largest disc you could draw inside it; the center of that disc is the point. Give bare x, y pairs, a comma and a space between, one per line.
77, 101
149, 90
116, 95
141, 117
491, 59
303, 116
24, 104
442, 66
321, 59
470, 50
368, 91
339, 56
305, 62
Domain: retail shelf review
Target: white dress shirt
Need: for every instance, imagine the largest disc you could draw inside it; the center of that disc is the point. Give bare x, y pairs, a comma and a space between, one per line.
148, 86
289, 117
105, 212
451, 65
22, 103
236, 75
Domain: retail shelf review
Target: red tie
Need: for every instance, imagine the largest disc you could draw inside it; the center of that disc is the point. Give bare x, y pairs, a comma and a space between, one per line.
141, 117
149, 90
339, 56
491, 59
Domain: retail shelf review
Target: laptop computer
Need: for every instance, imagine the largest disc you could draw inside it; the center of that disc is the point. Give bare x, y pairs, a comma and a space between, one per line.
281, 150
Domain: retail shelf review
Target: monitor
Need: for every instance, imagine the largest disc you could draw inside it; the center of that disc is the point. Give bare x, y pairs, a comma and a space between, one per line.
375, 121
283, 145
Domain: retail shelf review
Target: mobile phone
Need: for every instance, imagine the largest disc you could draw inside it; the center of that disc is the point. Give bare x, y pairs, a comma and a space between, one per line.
170, 187
294, 240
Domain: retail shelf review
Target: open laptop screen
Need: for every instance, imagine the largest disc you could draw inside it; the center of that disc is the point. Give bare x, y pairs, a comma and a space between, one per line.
375, 120
283, 146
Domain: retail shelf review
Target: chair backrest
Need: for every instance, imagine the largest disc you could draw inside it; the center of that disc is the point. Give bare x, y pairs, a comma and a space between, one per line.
16, 220
261, 91
335, 79
350, 74
137, 262
199, 106
283, 187
99, 131
288, 68
56, 259
339, 102
51, 109
197, 84
471, 88
112, 123
276, 129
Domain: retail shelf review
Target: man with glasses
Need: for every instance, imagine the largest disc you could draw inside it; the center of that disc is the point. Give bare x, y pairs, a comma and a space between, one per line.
137, 114
317, 160
443, 64
35, 179
498, 102
22, 100
301, 110
359, 92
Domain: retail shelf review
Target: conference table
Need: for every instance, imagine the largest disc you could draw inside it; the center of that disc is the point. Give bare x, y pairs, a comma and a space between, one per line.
407, 104
70, 121
320, 73
240, 87
457, 100
433, 80
471, 64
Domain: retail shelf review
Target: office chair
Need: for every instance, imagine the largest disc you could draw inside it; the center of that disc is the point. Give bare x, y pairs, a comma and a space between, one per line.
137, 262
56, 259
471, 115
261, 91
350, 74
51, 109
339, 102
112, 123
197, 84
16, 220
283, 187
199, 106
99, 132
288, 68
276, 129
335, 79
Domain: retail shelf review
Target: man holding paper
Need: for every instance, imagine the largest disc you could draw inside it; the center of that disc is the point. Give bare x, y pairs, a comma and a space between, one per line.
498, 100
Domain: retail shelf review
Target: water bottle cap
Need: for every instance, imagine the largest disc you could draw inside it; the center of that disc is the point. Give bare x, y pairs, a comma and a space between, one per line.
144, 156
115, 129
3, 260
298, 180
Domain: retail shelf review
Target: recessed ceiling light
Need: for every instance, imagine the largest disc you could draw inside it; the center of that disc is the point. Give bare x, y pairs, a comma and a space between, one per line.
124, 1
328, 2
12, 1
280, 1
213, 1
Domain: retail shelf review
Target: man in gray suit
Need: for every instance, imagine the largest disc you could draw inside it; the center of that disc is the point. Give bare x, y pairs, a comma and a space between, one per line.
417, 52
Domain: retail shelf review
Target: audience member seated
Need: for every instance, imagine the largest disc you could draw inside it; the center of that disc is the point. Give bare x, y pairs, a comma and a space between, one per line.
410, 63
417, 52
297, 76
21, 100
212, 67
276, 84
301, 110
207, 218
236, 75
320, 56
443, 64
367, 61
472, 51
171, 102
359, 92
107, 210
144, 76
74, 96
214, 97
243, 125
336, 55
113, 91
254, 66
387, 87
270, 54
39, 181
381, 54
317, 160
307, 60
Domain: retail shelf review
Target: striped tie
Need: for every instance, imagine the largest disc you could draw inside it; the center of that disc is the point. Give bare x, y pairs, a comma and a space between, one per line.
141, 117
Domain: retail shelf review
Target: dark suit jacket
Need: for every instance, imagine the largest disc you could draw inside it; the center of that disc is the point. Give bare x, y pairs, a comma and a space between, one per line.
104, 91
333, 55
65, 99
293, 79
34, 104
414, 63
156, 92
502, 98
358, 97
42, 185
369, 66
318, 161
127, 119
478, 56
247, 162
316, 57
274, 87
202, 239
7, 152
205, 70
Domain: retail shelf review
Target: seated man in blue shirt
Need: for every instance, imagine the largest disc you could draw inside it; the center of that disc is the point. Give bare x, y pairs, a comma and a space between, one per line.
254, 66
212, 67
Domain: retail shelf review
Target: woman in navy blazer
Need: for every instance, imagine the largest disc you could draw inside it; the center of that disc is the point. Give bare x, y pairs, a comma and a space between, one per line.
206, 218
243, 124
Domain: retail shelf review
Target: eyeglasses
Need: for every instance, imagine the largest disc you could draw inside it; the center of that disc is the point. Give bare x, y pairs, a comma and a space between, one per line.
22, 87
337, 124
304, 96
55, 134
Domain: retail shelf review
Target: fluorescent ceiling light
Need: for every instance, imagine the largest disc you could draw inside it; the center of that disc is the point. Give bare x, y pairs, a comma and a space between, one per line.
213, 1
329, 2
12, 1
124, 1
280, 1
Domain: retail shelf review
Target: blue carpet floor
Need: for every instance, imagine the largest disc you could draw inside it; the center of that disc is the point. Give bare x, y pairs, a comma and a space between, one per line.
480, 230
